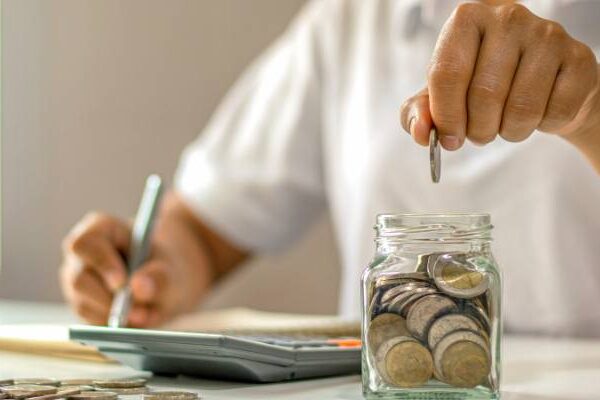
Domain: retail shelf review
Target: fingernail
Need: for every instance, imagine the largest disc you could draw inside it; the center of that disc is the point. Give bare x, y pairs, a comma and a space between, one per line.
410, 126
450, 142
115, 280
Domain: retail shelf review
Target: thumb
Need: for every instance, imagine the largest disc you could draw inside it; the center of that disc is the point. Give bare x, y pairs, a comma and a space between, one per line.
150, 282
415, 117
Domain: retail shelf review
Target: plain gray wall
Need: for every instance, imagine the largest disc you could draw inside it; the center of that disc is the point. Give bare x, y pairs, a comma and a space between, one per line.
96, 94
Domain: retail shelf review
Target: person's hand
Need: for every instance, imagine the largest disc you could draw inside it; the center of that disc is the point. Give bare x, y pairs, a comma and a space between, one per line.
500, 69
177, 273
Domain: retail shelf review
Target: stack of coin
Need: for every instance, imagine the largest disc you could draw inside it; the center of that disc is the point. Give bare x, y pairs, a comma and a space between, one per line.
433, 322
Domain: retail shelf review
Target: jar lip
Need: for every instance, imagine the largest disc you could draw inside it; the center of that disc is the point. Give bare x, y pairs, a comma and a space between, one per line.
434, 226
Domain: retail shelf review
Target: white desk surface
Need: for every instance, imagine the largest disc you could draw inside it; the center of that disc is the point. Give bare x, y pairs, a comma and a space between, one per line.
533, 368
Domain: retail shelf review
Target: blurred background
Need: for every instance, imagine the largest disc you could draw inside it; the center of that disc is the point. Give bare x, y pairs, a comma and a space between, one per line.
98, 94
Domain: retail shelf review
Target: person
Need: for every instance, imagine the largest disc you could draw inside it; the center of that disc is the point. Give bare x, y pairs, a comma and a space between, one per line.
313, 125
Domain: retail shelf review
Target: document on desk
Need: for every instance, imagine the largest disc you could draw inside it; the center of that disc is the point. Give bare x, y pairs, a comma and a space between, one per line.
53, 340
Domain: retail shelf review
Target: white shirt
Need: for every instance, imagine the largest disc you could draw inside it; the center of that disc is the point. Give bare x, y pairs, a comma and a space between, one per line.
313, 125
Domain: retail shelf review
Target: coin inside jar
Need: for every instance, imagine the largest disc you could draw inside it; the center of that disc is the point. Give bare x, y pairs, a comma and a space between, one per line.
462, 359
384, 327
451, 323
425, 311
459, 279
404, 362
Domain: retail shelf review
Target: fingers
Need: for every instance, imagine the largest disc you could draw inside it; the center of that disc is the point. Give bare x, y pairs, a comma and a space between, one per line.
489, 88
86, 292
149, 283
98, 241
450, 73
571, 88
415, 117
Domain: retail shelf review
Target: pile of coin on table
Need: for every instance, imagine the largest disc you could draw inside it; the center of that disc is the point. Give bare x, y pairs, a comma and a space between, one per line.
84, 389
432, 323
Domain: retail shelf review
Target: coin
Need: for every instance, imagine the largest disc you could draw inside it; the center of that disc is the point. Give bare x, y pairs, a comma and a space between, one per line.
404, 287
36, 381
94, 396
450, 323
81, 388
171, 396
462, 359
404, 362
399, 304
76, 382
6, 382
435, 159
61, 394
384, 327
125, 391
24, 391
475, 310
459, 279
426, 310
121, 383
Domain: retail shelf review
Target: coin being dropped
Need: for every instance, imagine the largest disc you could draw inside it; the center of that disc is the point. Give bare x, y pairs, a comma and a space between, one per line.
36, 381
94, 396
121, 383
462, 359
24, 391
435, 159
451, 323
426, 310
384, 327
459, 279
404, 362
171, 396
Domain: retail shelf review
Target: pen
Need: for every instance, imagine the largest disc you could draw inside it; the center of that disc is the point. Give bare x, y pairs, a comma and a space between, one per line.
138, 251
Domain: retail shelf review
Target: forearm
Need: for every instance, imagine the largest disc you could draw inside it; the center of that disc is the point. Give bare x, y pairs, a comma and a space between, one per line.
223, 255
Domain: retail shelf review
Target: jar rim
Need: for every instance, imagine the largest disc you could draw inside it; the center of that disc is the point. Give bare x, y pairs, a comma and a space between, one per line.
434, 226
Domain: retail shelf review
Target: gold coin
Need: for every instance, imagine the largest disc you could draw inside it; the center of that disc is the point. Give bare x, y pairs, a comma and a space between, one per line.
462, 359
426, 310
384, 327
61, 394
77, 382
455, 275
451, 323
404, 362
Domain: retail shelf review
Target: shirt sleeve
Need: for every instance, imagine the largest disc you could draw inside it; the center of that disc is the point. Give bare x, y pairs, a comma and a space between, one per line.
255, 174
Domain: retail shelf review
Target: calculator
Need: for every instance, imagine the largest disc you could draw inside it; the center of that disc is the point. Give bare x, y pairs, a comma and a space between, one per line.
224, 356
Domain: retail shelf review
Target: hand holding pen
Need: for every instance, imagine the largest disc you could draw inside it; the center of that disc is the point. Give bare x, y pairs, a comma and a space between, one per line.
171, 280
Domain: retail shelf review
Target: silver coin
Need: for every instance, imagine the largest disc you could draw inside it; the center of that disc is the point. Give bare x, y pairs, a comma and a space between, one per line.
451, 323
77, 382
403, 306
390, 294
25, 391
36, 381
426, 310
125, 391
61, 394
120, 383
94, 396
173, 395
435, 159
479, 313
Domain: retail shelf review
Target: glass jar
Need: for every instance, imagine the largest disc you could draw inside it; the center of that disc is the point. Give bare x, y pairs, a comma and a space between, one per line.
431, 298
